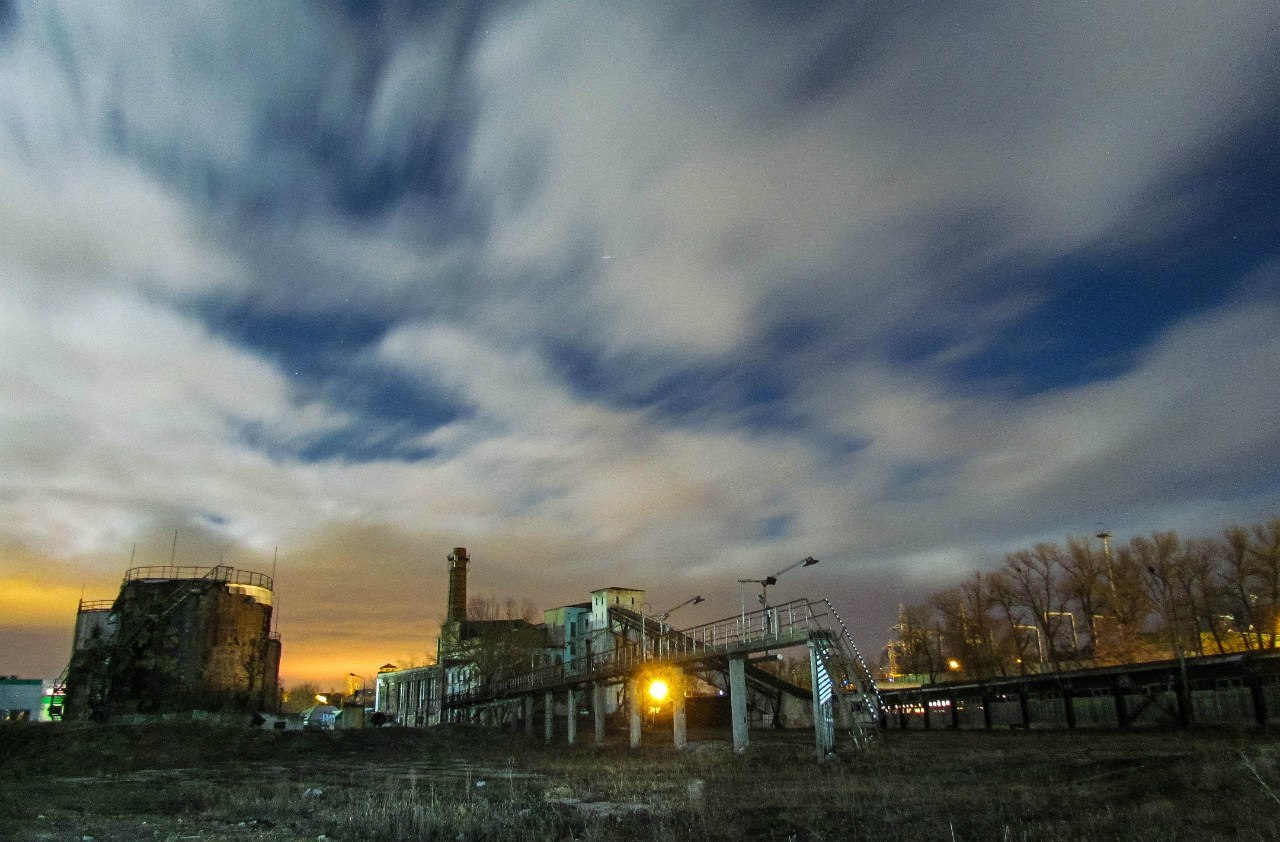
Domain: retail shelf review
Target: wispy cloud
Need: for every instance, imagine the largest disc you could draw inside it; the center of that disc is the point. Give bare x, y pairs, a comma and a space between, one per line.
628, 292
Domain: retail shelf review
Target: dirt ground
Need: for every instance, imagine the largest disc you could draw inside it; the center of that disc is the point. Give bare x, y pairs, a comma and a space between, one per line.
192, 781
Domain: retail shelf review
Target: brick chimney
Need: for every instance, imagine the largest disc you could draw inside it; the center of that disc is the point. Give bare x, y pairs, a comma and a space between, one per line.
457, 612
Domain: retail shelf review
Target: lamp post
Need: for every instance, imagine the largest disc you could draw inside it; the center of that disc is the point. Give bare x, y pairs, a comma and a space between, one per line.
693, 600
807, 561
358, 691
661, 619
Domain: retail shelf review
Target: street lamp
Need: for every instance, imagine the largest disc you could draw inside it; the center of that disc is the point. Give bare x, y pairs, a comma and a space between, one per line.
693, 600
807, 561
357, 689
661, 620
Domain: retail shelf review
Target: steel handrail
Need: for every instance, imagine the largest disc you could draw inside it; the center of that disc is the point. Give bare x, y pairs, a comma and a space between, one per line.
217, 573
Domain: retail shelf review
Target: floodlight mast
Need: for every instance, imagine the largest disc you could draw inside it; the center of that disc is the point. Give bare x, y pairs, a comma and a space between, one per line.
807, 561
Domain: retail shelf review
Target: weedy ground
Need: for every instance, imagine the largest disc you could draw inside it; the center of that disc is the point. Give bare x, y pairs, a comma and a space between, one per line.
194, 781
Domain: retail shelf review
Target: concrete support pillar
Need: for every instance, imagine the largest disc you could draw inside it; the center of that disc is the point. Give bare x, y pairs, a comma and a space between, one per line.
599, 700
571, 715
633, 708
738, 702
529, 703
824, 730
681, 732
548, 715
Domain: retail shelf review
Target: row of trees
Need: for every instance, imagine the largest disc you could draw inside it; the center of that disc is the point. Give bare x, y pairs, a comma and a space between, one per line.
1090, 603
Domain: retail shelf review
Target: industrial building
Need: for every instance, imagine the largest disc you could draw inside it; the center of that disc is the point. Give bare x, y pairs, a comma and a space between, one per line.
24, 699
473, 655
176, 639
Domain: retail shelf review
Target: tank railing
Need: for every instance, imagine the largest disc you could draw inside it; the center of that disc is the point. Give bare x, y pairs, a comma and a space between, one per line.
89, 605
785, 625
217, 573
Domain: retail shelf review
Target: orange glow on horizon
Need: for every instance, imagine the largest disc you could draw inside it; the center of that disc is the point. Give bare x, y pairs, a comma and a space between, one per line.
31, 604
328, 665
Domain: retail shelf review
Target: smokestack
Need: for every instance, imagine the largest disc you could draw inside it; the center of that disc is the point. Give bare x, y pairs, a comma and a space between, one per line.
457, 585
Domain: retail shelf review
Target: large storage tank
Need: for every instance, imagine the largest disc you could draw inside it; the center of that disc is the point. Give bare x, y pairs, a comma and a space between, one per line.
177, 639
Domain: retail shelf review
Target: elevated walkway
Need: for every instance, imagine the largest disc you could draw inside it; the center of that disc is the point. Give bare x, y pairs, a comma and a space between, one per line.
844, 692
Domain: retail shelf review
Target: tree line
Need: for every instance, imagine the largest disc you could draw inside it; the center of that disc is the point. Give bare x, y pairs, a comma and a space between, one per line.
1095, 602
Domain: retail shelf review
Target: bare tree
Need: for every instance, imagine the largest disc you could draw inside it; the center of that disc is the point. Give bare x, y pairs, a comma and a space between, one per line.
1239, 583
919, 641
298, 697
503, 652
967, 627
1204, 595
492, 608
1085, 583
1161, 556
1036, 576
1014, 646
1197, 589
1264, 553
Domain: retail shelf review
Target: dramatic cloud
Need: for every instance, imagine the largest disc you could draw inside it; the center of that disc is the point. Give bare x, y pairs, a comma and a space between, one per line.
640, 294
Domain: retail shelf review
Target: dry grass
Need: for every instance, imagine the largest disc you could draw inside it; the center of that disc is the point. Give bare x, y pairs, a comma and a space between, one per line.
199, 782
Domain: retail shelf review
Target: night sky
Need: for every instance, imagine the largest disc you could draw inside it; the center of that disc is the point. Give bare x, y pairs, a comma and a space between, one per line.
659, 295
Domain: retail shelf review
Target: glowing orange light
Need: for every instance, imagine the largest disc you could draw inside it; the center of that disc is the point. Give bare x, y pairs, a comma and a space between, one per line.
658, 689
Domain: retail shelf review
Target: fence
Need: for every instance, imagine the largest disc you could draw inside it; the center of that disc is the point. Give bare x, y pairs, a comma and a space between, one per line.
1232, 690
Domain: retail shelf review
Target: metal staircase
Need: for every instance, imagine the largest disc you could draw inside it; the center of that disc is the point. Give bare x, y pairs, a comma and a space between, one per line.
841, 676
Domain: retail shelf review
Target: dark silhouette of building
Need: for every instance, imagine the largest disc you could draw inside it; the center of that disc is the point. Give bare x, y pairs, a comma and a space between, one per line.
176, 639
